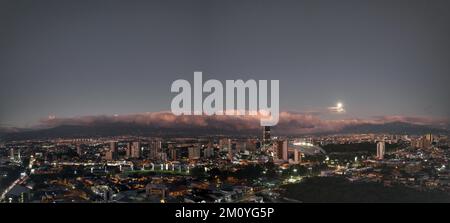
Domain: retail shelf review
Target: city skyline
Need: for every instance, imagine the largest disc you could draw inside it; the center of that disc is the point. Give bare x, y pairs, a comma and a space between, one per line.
268, 168
73, 61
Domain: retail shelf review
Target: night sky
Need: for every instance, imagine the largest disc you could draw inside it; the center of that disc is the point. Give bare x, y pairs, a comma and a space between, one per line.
78, 58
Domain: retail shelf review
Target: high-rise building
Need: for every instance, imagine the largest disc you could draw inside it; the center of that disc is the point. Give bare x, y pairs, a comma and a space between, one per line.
282, 150
11, 155
152, 154
157, 144
79, 150
266, 135
223, 144
251, 145
113, 146
128, 150
380, 150
297, 156
136, 150
427, 140
414, 143
194, 152
429, 137
112, 153
109, 155
173, 153
155, 148
285, 150
162, 156
208, 152
420, 143
230, 149
240, 146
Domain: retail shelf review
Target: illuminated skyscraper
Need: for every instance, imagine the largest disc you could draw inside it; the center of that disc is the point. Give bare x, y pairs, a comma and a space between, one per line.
155, 148
429, 137
172, 153
79, 150
297, 156
209, 150
380, 150
282, 150
427, 140
11, 155
194, 152
128, 150
113, 146
136, 150
251, 145
230, 149
109, 155
113, 149
414, 143
266, 135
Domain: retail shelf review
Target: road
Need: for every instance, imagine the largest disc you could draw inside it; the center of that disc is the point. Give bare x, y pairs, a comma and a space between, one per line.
18, 181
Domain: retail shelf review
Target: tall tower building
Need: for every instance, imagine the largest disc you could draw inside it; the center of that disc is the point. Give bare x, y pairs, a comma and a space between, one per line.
251, 145
113, 149
152, 154
297, 156
230, 149
414, 143
113, 146
285, 150
128, 150
427, 140
79, 150
136, 150
155, 148
109, 155
158, 145
282, 150
11, 155
429, 137
194, 152
208, 151
172, 152
380, 150
266, 135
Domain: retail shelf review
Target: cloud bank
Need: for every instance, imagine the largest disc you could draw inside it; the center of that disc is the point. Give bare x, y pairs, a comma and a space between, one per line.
290, 122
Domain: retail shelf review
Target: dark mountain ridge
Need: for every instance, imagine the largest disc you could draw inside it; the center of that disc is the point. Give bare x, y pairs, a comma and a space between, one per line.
116, 129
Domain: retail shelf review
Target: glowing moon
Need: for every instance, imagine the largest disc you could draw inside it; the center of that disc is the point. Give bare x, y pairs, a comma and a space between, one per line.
338, 109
